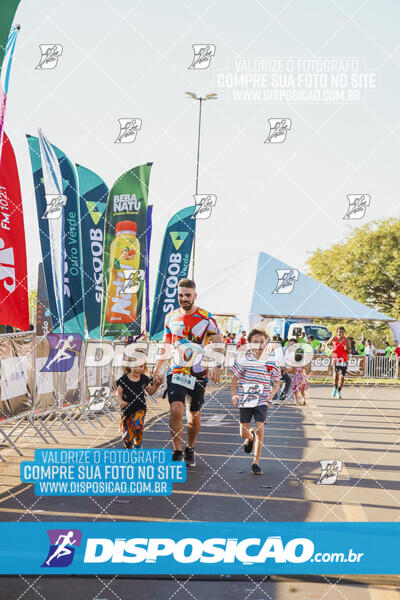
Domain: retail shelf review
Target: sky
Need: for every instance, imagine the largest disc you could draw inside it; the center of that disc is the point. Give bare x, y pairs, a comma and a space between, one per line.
130, 59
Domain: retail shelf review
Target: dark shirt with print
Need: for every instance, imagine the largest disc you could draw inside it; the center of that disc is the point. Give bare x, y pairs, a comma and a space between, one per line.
133, 393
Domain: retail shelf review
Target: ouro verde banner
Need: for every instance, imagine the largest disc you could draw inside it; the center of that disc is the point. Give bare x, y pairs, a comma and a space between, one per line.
125, 253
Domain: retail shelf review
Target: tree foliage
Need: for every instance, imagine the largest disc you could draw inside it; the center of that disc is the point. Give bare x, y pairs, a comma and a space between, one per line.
365, 267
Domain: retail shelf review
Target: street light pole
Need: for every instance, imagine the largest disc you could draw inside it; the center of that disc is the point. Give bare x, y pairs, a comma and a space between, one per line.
198, 146
201, 100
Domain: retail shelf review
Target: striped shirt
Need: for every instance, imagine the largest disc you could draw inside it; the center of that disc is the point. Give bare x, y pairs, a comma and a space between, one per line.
255, 379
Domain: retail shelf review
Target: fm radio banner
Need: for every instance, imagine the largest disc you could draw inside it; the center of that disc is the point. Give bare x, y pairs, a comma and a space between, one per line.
55, 548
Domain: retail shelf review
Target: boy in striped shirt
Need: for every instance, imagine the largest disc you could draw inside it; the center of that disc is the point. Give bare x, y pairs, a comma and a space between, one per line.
255, 381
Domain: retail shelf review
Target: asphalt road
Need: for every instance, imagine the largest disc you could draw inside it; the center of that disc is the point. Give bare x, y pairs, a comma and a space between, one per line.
361, 430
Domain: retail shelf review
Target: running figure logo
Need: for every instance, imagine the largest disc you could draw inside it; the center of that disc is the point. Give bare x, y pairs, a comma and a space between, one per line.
278, 129
330, 469
54, 206
133, 279
286, 280
50, 53
203, 53
62, 352
252, 393
98, 395
128, 129
63, 543
204, 205
358, 204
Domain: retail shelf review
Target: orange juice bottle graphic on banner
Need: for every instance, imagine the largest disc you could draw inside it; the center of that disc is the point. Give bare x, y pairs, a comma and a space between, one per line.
124, 266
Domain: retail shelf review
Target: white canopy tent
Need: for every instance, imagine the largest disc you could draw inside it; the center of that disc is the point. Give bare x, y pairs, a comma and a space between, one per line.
262, 286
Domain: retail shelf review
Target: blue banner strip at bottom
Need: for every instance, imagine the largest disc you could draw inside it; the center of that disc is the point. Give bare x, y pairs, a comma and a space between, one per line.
54, 548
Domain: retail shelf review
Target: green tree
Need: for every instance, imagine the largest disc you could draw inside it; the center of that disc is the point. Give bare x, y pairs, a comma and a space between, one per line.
365, 267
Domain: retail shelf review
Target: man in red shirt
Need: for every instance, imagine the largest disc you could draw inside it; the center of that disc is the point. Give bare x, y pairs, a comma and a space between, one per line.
341, 350
189, 329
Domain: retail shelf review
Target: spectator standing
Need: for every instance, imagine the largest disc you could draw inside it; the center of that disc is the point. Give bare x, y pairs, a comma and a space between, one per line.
242, 339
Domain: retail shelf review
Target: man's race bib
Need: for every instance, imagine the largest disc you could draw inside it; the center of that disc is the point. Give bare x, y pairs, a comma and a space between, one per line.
186, 380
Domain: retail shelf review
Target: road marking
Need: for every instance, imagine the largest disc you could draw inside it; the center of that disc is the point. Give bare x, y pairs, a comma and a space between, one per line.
255, 497
383, 594
16, 493
86, 515
354, 513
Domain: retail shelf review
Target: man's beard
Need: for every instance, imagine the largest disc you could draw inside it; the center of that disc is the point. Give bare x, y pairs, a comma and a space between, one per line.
187, 304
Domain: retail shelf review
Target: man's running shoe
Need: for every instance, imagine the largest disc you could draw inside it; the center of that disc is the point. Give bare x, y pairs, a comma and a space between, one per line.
248, 444
334, 392
256, 470
177, 455
339, 393
189, 457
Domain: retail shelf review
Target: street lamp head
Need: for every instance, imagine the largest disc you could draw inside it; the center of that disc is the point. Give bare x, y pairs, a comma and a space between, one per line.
192, 95
212, 96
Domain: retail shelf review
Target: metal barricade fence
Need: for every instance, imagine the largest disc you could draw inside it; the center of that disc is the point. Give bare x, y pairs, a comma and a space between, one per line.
381, 367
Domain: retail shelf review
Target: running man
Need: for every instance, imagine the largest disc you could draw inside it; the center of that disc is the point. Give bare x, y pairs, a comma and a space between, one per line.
62, 549
255, 380
189, 329
62, 352
340, 355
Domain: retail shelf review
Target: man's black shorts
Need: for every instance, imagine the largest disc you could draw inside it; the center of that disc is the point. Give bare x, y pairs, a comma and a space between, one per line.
342, 368
259, 413
178, 393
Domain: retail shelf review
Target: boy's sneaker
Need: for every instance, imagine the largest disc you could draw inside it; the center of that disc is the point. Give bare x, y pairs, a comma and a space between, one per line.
256, 470
334, 392
189, 457
177, 455
248, 444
